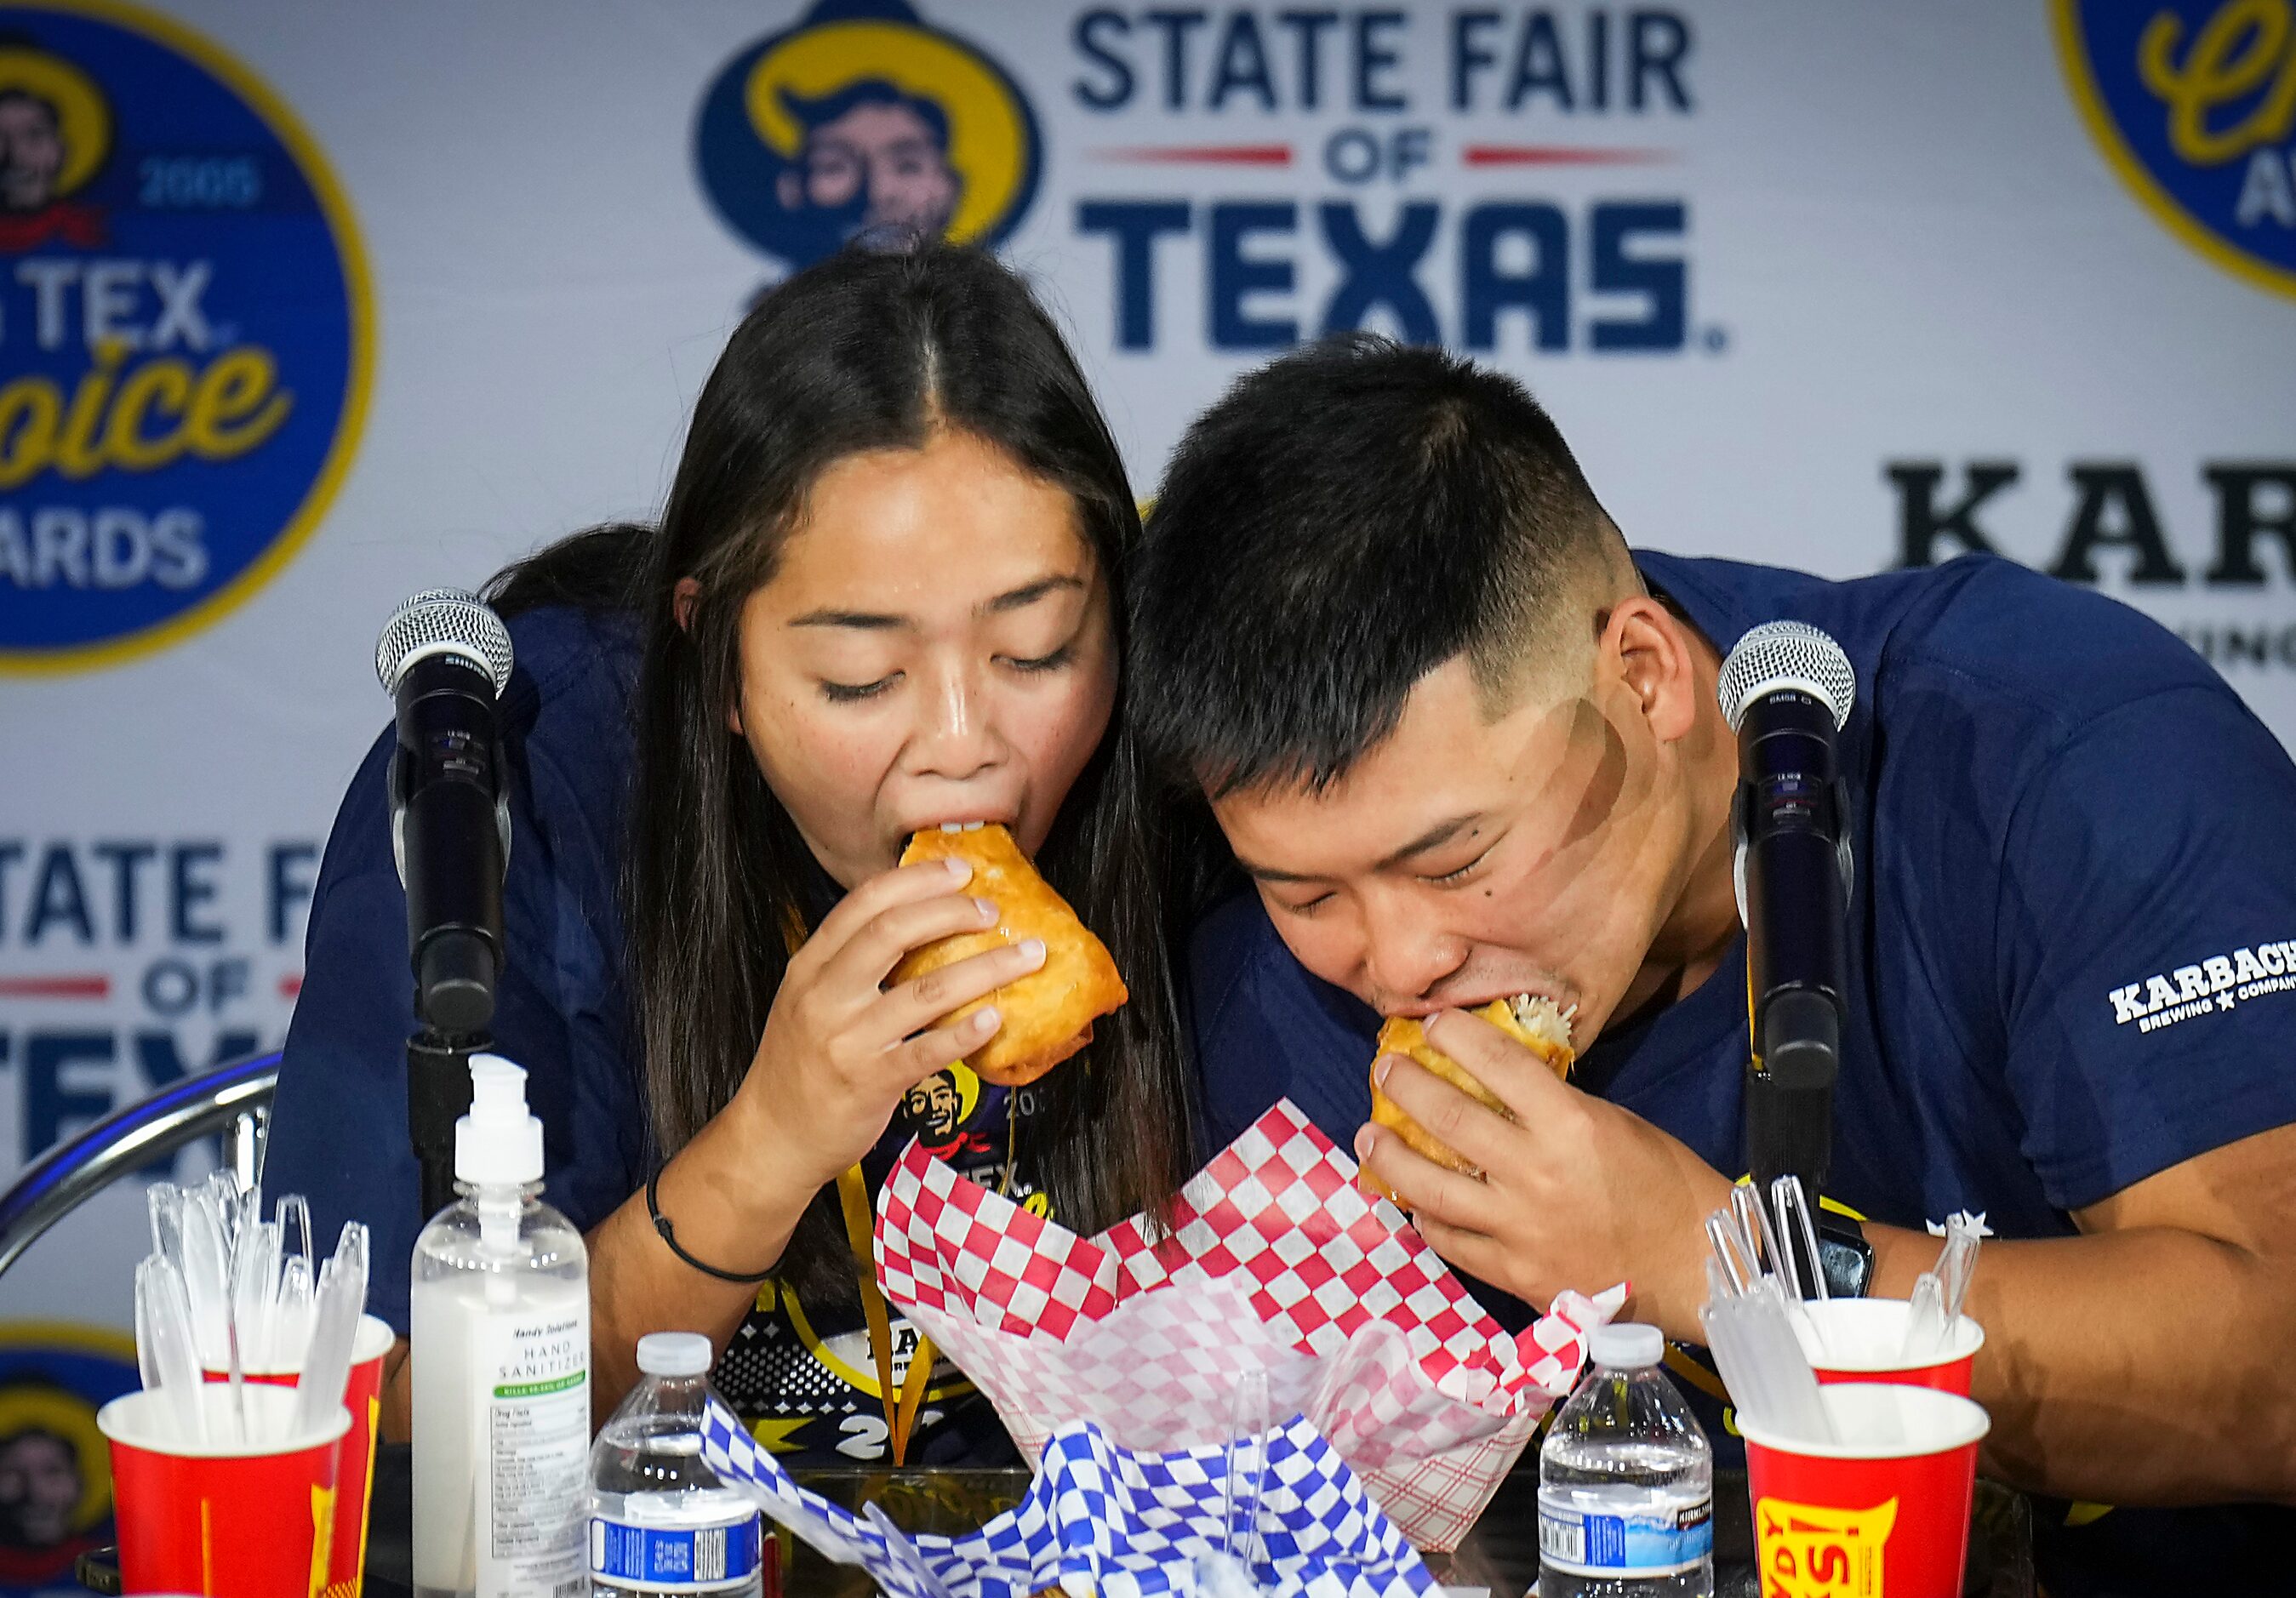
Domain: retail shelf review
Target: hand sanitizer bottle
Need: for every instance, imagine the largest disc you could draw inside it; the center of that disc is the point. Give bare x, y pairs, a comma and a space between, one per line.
500, 1310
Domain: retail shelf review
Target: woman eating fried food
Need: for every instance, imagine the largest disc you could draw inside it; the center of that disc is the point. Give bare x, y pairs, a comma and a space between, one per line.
783, 771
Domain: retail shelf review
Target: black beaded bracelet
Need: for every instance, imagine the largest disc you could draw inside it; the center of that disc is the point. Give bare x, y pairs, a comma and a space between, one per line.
661, 1225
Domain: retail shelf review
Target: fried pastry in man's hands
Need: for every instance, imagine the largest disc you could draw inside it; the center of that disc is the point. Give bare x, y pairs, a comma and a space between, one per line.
1048, 1013
1536, 1023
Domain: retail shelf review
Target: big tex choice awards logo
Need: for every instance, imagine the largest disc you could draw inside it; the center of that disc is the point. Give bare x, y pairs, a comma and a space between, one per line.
183, 334
862, 118
2194, 103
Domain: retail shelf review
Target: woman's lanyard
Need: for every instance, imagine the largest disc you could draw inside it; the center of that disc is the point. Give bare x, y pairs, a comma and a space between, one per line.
853, 1199
901, 1404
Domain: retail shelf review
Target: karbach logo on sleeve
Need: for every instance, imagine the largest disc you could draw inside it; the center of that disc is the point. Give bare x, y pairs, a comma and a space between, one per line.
2215, 985
183, 334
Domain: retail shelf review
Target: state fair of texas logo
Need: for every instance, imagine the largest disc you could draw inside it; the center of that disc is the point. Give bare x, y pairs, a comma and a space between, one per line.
185, 341
2194, 102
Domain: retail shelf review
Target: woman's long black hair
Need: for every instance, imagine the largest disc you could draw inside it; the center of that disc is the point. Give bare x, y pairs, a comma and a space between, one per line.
865, 351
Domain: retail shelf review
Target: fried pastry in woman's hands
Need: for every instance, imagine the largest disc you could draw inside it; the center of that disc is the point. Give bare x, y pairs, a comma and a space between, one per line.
1048, 1013
1536, 1023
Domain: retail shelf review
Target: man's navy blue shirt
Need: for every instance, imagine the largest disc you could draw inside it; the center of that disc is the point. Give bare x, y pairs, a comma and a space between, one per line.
2071, 963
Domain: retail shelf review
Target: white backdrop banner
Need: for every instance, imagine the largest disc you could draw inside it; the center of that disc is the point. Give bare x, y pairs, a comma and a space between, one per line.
305, 308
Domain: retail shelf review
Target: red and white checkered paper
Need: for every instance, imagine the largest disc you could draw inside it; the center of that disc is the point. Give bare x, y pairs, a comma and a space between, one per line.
1276, 1263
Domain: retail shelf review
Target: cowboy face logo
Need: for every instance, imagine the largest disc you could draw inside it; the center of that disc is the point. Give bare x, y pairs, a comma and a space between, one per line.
55, 1473
31, 151
863, 119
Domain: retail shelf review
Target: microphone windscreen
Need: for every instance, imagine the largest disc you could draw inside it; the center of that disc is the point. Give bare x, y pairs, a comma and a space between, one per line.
1786, 654
443, 621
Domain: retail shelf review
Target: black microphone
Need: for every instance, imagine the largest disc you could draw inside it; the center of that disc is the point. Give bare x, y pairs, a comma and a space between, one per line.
443, 657
1786, 690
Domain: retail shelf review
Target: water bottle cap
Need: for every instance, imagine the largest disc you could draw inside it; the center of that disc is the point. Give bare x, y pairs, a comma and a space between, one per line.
674, 1354
1626, 1346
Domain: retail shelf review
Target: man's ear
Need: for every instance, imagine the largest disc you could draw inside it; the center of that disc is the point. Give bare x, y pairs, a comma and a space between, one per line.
1653, 660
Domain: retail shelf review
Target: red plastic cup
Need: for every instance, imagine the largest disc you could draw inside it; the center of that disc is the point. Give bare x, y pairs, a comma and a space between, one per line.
355, 1485
1885, 1510
222, 1520
1864, 1340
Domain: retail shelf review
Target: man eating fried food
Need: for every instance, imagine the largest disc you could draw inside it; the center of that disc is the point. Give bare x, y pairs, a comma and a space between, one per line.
1465, 745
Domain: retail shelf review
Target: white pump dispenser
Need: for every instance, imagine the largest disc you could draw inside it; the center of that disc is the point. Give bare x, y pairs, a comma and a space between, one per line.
500, 1314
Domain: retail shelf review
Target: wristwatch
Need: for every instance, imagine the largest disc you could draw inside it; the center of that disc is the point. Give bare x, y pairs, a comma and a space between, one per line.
1845, 1255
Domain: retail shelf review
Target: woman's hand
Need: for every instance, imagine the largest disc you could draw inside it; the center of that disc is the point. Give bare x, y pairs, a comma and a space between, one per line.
839, 1049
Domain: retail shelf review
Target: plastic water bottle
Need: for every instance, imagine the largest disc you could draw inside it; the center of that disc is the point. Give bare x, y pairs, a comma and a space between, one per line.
661, 1520
1626, 1482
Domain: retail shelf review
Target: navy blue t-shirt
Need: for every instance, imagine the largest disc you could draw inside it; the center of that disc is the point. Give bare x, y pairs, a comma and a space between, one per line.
2070, 955
801, 1375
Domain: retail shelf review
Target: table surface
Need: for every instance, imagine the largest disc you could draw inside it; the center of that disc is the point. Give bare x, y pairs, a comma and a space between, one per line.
1501, 1554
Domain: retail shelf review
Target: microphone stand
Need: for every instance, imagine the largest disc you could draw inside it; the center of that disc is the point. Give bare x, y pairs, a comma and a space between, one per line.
438, 1095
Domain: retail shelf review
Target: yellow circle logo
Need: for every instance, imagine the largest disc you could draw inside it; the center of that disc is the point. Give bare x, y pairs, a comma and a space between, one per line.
863, 118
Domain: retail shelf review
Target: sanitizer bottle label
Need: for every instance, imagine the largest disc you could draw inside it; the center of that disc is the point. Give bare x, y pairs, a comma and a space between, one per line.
533, 1495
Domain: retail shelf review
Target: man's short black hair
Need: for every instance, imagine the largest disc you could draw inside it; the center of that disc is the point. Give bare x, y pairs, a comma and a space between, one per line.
1345, 519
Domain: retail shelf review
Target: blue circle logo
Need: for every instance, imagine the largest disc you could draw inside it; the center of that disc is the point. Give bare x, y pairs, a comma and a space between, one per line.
54, 1463
862, 118
2194, 102
184, 339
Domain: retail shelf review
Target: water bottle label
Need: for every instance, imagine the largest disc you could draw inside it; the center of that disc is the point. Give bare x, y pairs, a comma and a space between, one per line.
1660, 1541
658, 1558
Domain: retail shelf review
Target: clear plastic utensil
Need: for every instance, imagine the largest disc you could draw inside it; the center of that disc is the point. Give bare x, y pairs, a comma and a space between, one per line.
147, 1364
163, 1313
230, 1202
207, 1276
334, 1328
1247, 1436
164, 1202
1786, 1376
1722, 1237
1957, 1263
1753, 1218
291, 1321
1925, 1322
1798, 1225
295, 1231
1743, 1382
254, 1276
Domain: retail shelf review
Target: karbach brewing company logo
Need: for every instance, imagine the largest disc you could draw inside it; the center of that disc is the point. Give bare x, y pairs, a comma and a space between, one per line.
862, 117
183, 334
2194, 102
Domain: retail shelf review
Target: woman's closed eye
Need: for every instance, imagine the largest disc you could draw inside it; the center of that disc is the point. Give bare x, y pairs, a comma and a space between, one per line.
846, 693
1053, 661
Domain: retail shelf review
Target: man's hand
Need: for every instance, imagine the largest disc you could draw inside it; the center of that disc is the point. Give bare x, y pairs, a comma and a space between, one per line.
1577, 1193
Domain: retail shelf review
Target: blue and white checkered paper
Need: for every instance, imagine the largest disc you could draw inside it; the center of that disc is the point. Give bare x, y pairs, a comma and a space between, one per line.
1103, 1521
